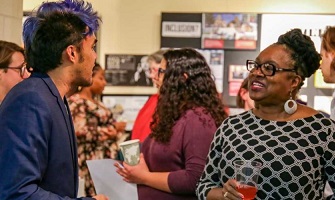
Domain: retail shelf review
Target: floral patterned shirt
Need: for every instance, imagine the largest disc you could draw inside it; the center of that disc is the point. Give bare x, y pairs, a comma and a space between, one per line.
96, 138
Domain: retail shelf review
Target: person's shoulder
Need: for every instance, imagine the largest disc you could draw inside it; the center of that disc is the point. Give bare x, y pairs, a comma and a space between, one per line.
25, 89
304, 112
197, 113
153, 98
238, 118
23, 95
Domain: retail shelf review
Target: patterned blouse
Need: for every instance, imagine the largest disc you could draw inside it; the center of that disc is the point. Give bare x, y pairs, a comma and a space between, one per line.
92, 123
297, 156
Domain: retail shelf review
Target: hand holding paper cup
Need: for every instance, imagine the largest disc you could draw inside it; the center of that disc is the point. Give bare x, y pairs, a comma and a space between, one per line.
131, 151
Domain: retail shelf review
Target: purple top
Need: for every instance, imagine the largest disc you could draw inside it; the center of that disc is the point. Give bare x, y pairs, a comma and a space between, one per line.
184, 157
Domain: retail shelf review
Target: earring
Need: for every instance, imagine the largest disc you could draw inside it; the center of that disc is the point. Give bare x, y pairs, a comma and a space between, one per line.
290, 110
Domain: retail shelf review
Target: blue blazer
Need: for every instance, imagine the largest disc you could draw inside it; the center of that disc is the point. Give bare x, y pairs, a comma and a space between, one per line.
38, 153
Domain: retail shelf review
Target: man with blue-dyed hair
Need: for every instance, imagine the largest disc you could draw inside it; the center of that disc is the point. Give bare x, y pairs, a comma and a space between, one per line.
38, 153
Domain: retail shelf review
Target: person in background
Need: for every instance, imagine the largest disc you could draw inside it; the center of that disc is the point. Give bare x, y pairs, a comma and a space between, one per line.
188, 112
294, 143
94, 125
38, 152
243, 99
327, 66
12, 67
141, 128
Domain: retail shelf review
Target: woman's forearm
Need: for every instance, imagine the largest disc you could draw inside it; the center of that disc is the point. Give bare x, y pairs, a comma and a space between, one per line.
157, 180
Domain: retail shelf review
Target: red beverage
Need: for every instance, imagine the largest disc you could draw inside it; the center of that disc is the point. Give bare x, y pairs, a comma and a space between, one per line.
248, 191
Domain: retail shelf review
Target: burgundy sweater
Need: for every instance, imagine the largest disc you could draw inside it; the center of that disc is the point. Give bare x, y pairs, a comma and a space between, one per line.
184, 156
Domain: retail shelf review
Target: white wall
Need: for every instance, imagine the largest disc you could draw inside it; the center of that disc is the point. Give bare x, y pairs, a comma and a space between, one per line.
133, 26
11, 20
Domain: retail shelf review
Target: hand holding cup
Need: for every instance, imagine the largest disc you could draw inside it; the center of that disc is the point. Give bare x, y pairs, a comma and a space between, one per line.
131, 151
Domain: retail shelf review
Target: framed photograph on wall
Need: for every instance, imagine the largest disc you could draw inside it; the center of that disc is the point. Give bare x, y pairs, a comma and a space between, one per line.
125, 107
229, 31
127, 70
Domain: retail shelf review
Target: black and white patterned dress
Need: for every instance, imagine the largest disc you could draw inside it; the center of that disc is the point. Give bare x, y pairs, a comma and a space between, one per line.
298, 156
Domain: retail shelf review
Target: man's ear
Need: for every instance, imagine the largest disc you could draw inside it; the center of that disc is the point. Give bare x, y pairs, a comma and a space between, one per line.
71, 53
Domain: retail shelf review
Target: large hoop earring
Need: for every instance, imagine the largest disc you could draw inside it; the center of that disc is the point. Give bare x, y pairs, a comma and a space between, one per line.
290, 110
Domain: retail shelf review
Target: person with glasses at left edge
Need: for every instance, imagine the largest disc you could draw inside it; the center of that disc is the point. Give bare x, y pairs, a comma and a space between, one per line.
12, 67
294, 143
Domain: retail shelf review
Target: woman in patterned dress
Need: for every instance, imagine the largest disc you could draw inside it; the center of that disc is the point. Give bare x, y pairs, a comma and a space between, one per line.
94, 126
294, 143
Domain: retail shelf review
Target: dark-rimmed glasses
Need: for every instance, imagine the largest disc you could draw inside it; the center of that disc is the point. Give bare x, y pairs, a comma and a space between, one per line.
267, 69
21, 67
160, 71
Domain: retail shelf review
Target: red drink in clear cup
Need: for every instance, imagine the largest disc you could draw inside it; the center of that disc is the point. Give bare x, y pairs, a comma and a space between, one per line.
246, 174
248, 191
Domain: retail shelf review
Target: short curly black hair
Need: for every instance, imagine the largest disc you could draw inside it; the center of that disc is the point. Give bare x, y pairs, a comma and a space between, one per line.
306, 59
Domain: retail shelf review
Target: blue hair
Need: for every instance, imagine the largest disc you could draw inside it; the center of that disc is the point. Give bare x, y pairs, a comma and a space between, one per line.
54, 27
83, 10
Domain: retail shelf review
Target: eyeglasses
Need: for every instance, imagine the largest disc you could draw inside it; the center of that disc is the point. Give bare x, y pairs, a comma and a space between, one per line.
22, 68
160, 71
267, 69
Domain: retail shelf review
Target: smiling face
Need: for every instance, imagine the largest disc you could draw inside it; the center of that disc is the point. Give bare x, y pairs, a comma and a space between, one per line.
273, 90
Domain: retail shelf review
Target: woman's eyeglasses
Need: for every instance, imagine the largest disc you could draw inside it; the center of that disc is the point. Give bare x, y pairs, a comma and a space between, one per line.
267, 69
160, 71
22, 68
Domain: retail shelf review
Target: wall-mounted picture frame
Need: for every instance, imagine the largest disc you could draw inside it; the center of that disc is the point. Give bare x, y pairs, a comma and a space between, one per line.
127, 70
229, 31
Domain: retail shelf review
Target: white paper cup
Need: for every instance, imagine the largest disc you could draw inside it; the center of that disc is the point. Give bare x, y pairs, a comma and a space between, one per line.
131, 151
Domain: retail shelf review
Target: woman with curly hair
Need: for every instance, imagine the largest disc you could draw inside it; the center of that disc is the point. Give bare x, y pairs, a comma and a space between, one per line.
188, 112
294, 143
